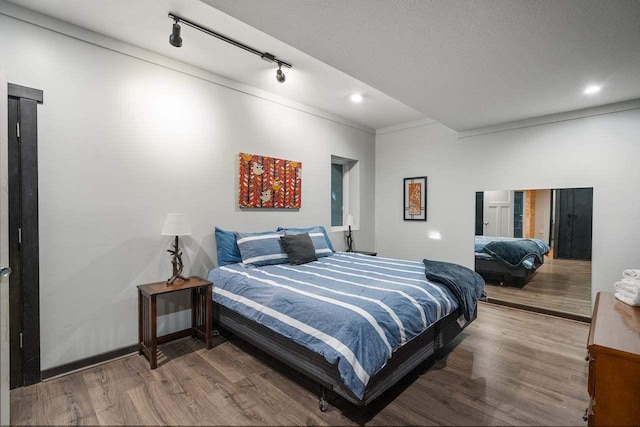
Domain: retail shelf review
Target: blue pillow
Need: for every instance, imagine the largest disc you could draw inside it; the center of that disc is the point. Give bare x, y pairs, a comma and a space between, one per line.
261, 248
309, 230
227, 248
318, 238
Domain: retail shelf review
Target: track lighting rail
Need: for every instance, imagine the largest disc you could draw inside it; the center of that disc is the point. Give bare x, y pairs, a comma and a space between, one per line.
264, 55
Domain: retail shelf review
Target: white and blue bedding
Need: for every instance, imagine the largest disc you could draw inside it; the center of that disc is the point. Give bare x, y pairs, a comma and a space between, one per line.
355, 310
528, 261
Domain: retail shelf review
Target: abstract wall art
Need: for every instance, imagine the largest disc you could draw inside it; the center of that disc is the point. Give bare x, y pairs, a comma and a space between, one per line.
267, 182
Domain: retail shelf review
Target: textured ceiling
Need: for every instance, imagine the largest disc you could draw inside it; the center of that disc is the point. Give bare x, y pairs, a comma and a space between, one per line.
467, 64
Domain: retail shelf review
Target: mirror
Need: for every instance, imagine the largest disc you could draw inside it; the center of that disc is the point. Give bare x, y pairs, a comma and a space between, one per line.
533, 248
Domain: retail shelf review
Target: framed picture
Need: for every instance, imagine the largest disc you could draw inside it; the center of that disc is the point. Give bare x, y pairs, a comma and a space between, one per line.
415, 199
267, 182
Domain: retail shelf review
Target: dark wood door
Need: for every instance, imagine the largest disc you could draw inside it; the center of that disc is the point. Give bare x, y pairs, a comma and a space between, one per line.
574, 222
479, 213
24, 284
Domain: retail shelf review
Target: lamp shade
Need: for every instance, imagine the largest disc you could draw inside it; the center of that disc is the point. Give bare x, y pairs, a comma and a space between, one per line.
350, 221
176, 225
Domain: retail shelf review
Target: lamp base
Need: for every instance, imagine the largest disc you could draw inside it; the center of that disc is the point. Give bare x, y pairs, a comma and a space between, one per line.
171, 280
349, 238
176, 262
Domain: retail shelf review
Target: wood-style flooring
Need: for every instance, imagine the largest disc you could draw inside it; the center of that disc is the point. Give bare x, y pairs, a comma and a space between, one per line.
509, 367
559, 285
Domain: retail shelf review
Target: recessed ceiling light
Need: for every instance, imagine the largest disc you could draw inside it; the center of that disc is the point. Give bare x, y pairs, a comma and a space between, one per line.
356, 97
593, 89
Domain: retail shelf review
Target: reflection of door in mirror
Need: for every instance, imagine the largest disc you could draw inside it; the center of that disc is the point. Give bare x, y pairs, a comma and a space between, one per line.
498, 213
574, 220
533, 247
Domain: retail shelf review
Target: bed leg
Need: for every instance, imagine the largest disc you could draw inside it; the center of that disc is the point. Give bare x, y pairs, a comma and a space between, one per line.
322, 402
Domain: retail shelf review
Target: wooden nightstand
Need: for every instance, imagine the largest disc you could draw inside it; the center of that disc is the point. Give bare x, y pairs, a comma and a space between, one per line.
201, 315
366, 253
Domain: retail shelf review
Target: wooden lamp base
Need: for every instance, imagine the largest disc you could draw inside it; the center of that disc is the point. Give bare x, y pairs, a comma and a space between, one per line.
176, 262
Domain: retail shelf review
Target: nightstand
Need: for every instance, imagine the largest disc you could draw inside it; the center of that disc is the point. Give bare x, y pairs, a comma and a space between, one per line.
366, 253
201, 315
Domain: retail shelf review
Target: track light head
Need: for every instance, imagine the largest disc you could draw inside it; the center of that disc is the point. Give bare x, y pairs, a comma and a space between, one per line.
175, 38
280, 77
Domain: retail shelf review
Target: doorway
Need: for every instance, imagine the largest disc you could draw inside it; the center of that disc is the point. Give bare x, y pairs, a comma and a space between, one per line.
24, 282
498, 213
574, 218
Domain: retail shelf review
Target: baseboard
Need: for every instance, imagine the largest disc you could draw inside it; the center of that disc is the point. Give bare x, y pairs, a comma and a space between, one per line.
109, 355
541, 310
88, 361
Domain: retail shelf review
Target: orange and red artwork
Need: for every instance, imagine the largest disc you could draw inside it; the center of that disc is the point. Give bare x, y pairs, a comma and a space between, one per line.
415, 200
267, 182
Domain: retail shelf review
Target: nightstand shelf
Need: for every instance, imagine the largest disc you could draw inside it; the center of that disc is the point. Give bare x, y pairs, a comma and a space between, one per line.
201, 315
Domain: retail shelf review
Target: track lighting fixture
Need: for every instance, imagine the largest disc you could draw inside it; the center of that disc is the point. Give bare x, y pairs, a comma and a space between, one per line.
280, 77
176, 40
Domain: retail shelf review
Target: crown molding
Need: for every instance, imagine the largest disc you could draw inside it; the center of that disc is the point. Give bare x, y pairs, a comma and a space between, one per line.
403, 126
554, 118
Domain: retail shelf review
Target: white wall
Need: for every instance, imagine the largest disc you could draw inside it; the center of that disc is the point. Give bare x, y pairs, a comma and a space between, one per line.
122, 142
600, 152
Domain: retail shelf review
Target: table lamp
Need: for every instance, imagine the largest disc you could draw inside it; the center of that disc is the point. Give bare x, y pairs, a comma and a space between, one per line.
350, 222
176, 225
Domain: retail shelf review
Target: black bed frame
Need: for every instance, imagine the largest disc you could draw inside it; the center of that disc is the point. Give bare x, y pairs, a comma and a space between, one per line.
326, 374
494, 271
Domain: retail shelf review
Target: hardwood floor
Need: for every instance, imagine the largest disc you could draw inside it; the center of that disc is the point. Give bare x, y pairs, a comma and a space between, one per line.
559, 284
509, 367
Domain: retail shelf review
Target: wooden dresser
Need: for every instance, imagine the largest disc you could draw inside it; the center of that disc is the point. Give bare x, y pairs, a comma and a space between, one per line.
614, 363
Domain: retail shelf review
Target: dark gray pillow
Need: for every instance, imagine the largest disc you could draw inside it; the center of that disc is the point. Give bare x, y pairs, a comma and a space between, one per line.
299, 248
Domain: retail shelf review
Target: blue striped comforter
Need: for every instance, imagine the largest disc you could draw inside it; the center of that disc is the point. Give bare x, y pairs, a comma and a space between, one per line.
355, 310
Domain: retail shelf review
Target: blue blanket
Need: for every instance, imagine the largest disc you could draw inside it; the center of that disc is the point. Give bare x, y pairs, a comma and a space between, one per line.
355, 310
514, 253
508, 250
466, 284
481, 241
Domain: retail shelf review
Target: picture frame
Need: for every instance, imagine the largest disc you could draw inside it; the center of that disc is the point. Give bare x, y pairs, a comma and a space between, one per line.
268, 182
415, 199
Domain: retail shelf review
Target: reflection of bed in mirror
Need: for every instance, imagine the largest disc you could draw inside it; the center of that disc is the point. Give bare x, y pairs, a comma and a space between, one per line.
559, 282
509, 261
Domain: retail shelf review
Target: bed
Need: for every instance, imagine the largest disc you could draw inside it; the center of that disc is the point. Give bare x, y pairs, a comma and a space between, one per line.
509, 261
353, 323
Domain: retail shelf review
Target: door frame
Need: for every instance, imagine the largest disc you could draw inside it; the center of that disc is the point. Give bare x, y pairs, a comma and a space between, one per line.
5, 372
29, 300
